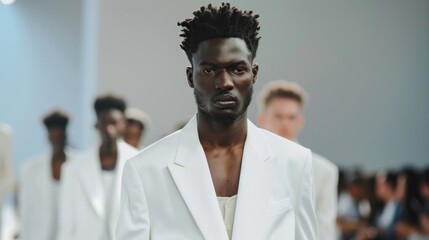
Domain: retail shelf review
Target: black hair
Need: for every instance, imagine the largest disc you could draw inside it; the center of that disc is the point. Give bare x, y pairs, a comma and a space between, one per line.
225, 21
412, 204
56, 118
109, 102
392, 179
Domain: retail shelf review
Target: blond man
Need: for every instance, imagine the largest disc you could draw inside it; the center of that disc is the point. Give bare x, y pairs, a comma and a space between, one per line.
281, 104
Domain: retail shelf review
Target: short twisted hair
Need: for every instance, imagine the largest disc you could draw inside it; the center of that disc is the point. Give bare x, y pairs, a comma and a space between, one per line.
225, 21
109, 102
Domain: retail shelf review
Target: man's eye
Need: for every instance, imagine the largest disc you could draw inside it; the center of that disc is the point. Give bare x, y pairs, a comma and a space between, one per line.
208, 71
238, 70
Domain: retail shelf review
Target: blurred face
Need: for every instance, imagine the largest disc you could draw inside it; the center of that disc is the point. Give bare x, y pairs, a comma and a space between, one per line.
401, 187
356, 191
383, 190
222, 76
57, 137
133, 134
111, 125
283, 116
424, 191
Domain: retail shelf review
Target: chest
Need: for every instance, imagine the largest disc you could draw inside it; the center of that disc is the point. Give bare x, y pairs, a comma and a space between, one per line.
225, 167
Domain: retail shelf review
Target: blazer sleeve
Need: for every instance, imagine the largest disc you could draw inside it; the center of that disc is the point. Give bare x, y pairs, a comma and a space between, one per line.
66, 204
327, 205
306, 223
134, 222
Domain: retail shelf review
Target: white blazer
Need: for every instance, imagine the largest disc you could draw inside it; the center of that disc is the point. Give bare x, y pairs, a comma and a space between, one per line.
82, 211
168, 192
36, 196
326, 182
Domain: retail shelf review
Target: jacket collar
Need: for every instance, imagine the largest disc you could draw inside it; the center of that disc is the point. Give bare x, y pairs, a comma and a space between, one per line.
191, 174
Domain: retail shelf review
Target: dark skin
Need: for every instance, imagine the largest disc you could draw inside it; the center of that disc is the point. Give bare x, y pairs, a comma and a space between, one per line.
223, 73
111, 126
57, 139
133, 133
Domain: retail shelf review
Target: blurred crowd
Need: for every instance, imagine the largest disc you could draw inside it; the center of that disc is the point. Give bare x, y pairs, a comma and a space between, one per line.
384, 205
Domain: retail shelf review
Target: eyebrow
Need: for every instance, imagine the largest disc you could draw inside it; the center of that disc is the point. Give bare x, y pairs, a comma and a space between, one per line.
205, 63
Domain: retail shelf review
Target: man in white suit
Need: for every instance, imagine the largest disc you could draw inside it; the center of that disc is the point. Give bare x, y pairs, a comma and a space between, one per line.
39, 183
90, 191
220, 177
281, 104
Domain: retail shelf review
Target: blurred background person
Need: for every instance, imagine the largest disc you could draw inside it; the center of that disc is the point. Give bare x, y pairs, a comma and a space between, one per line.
39, 182
6, 173
281, 106
138, 123
352, 205
385, 220
424, 192
411, 205
90, 190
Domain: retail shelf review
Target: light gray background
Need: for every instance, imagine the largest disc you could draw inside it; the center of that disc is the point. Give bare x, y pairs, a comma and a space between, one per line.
365, 65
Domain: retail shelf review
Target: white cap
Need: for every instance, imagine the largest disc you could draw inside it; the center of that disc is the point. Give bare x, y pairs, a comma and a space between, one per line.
138, 115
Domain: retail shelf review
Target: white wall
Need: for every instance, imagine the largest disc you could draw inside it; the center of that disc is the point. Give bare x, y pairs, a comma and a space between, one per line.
364, 64
41, 67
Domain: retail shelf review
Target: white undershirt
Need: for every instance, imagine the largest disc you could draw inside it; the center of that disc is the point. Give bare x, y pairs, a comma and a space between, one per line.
227, 208
108, 186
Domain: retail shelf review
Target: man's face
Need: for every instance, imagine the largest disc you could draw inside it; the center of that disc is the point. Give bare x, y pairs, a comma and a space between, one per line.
133, 134
222, 76
57, 137
356, 191
282, 116
424, 190
111, 125
401, 187
382, 189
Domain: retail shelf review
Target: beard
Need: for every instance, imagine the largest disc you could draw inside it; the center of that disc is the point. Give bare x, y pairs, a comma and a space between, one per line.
224, 118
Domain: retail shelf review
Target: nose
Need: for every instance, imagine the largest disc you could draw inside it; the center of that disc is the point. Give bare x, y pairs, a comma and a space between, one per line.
223, 80
111, 130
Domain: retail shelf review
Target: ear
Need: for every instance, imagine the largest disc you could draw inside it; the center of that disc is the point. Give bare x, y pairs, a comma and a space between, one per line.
261, 120
189, 76
255, 70
96, 125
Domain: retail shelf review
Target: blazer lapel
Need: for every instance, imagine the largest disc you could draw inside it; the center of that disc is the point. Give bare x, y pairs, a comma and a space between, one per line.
92, 183
253, 194
191, 175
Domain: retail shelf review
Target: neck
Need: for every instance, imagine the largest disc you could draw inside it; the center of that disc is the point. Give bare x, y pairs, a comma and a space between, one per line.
108, 147
58, 153
216, 134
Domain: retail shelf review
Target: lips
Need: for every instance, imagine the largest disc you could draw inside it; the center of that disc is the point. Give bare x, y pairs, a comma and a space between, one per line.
225, 101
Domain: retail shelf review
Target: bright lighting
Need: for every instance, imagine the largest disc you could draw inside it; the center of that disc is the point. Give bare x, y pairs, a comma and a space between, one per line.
7, 2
